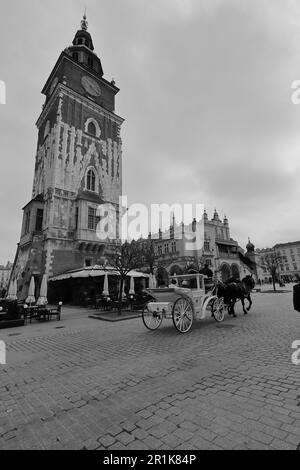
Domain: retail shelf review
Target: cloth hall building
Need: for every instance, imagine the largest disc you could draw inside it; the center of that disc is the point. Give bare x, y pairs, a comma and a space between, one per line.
218, 251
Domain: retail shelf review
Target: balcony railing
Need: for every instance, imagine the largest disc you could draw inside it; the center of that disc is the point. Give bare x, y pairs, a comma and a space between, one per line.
228, 255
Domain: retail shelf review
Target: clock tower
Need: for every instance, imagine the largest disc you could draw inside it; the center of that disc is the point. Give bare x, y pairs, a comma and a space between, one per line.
78, 167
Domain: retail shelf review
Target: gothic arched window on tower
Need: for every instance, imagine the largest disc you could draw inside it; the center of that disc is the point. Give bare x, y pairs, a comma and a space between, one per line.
92, 129
91, 180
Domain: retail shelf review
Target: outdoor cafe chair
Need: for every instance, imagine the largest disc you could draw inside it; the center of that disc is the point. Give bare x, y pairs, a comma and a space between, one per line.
55, 312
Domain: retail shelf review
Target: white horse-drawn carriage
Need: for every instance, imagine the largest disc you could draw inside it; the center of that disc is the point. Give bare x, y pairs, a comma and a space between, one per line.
183, 302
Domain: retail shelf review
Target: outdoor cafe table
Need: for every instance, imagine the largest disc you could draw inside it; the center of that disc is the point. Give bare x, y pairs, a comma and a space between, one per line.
35, 311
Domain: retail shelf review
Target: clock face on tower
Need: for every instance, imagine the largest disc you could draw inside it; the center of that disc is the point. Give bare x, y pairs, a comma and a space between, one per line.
90, 86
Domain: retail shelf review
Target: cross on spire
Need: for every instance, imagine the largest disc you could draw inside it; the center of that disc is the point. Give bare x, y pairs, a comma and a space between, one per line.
84, 22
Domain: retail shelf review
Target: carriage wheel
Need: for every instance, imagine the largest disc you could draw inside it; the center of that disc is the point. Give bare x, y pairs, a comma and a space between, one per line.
182, 315
151, 320
218, 309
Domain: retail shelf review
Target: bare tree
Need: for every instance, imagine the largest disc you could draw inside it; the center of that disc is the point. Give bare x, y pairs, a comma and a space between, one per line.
148, 254
271, 263
123, 260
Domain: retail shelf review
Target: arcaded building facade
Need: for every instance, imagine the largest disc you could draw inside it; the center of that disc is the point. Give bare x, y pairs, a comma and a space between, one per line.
217, 250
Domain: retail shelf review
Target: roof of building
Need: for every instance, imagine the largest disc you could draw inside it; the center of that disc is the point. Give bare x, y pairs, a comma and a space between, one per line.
38, 198
287, 244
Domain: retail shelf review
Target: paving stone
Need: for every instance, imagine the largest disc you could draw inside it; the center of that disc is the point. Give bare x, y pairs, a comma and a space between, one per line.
125, 438
282, 445
261, 437
106, 441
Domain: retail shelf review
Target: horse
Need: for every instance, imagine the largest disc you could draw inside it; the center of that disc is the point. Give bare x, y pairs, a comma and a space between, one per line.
233, 290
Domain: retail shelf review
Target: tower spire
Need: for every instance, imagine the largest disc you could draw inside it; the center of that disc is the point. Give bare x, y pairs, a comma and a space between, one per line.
84, 22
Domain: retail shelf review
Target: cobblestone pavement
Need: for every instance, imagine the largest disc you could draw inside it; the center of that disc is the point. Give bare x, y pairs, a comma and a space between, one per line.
83, 383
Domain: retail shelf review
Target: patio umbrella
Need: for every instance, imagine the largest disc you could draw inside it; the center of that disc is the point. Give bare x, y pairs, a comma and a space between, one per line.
105, 291
131, 290
42, 300
12, 290
31, 299
152, 281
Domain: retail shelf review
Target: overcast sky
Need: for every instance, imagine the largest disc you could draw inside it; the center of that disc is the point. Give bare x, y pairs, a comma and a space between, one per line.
205, 92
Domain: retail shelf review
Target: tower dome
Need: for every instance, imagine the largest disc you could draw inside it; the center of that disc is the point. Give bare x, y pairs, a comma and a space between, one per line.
250, 247
216, 216
82, 49
83, 37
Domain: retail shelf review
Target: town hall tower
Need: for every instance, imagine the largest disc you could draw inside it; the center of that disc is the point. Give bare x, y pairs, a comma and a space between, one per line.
78, 167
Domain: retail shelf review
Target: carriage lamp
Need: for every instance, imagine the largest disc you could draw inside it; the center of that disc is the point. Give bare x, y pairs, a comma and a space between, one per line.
108, 299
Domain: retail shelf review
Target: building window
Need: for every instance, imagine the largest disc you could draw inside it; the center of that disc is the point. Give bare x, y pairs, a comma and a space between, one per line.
166, 248
75, 56
206, 245
39, 220
173, 247
159, 250
88, 262
93, 219
92, 129
90, 180
27, 222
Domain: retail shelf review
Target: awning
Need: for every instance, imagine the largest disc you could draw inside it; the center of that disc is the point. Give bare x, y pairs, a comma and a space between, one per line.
231, 243
94, 271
